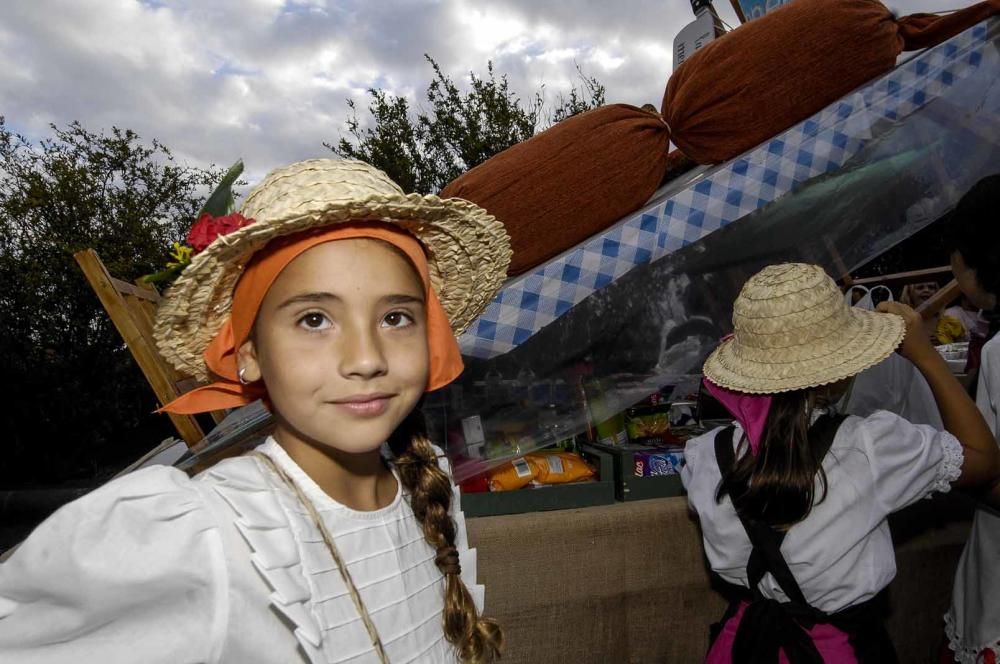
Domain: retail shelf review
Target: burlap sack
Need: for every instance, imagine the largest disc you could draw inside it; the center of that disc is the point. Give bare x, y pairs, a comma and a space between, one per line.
580, 176
775, 71
571, 181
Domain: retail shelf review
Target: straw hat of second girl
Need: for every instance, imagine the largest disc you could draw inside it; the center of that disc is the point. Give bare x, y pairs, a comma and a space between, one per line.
793, 330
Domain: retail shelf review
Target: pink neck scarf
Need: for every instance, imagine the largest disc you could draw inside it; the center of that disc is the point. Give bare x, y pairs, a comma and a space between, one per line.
750, 410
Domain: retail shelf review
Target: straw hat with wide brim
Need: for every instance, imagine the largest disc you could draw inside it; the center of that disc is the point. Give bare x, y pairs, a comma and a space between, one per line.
468, 250
793, 330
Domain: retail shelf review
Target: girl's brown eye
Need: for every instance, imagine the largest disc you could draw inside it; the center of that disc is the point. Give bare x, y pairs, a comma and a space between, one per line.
314, 321
398, 319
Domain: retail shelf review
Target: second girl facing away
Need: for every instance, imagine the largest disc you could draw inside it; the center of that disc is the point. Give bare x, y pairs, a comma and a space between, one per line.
793, 500
335, 298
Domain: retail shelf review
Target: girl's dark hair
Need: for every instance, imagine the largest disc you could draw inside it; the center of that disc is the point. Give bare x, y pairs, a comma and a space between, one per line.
476, 639
974, 231
777, 486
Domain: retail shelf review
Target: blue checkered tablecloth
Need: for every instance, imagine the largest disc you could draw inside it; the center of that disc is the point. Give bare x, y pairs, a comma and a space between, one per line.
819, 145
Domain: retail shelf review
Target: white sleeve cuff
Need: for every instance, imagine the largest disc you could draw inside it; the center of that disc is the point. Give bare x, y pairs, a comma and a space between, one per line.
952, 457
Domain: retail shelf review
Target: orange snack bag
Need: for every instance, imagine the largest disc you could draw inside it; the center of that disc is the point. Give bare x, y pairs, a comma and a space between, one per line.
559, 467
511, 476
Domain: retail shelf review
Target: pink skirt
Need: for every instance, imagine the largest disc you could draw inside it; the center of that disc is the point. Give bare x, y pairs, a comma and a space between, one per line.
832, 644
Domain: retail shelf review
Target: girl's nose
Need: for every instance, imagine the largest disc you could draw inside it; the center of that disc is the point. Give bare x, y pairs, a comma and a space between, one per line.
362, 355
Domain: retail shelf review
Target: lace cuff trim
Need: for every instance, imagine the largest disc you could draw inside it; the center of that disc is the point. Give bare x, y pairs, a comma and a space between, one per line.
965, 654
951, 464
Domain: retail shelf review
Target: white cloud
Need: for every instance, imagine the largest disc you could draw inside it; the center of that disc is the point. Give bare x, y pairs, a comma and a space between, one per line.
556, 55
606, 60
268, 79
485, 30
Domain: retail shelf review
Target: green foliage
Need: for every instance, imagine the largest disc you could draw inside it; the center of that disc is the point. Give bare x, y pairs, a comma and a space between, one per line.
424, 150
76, 400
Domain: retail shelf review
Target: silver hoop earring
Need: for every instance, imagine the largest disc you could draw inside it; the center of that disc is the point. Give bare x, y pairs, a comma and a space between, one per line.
242, 375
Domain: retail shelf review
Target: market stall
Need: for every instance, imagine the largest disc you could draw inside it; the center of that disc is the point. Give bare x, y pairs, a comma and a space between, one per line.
607, 339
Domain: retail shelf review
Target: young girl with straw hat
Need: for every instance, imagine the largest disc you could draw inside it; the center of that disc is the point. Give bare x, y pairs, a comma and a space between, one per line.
793, 499
335, 298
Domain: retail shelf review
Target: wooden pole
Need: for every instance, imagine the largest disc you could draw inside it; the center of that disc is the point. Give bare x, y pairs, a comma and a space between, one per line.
739, 11
912, 276
144, 353
939, 300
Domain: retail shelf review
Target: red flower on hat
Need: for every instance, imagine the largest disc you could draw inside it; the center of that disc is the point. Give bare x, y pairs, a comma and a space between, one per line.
207, 228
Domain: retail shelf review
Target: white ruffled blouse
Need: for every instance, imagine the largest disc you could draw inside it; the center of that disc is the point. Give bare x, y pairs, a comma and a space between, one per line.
841, 554
224, 567
973, 622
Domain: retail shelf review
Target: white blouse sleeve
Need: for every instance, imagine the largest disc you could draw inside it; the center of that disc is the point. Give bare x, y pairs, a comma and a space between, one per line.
986, 392
132, 572
908, 461
700, 473
692, 450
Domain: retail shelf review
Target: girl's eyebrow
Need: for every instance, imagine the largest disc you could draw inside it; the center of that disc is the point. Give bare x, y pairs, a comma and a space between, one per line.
323, 296
309, 297
403, 299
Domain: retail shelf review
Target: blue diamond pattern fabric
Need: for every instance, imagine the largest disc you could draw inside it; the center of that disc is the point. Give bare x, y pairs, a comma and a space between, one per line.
818, 145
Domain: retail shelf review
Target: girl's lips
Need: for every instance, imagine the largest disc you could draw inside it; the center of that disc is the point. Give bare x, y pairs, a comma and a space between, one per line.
364, 406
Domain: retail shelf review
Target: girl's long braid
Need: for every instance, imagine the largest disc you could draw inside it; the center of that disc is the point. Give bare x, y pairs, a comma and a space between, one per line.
476, 639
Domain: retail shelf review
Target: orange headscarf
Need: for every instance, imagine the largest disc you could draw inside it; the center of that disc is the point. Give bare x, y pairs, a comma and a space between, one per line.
263, 269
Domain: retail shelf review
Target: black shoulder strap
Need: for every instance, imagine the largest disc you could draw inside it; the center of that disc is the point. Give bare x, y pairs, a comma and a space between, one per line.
767, 626
766, 540
766, 553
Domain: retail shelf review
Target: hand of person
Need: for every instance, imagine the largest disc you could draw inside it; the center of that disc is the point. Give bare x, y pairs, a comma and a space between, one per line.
915, 342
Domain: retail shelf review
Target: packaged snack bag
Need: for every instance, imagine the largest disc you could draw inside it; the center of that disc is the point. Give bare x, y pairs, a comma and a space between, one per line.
477, 484
511, 476
659, 462
559, 467
648, 424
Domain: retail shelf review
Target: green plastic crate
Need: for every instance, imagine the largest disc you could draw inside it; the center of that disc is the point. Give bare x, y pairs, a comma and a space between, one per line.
546, 498
628, 486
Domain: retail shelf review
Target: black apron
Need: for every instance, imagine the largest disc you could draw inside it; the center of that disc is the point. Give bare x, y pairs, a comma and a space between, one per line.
767, 625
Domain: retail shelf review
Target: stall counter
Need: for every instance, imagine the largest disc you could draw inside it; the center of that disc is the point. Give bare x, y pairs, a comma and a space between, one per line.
627, 582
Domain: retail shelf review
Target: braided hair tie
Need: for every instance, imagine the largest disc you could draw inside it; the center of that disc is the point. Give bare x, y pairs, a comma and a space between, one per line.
447, 561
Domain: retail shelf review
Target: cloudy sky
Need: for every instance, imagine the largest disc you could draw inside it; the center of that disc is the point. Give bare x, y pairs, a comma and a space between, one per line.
267, 80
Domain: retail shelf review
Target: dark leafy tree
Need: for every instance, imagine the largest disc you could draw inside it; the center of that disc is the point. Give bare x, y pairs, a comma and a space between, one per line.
425, 149
77, 404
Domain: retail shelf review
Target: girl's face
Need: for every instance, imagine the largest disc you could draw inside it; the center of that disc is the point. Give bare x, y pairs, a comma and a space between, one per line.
341, 344
923, 291
969, 284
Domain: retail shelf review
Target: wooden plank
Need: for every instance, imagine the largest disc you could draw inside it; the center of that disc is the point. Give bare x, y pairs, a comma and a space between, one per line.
143, 322
182, 383
142, 284
739, 11
913, 275
144, 353
941, 299
146, 321
125, 287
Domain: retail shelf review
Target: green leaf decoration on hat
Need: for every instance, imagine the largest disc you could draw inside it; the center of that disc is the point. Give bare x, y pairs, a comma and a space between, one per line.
221, 201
